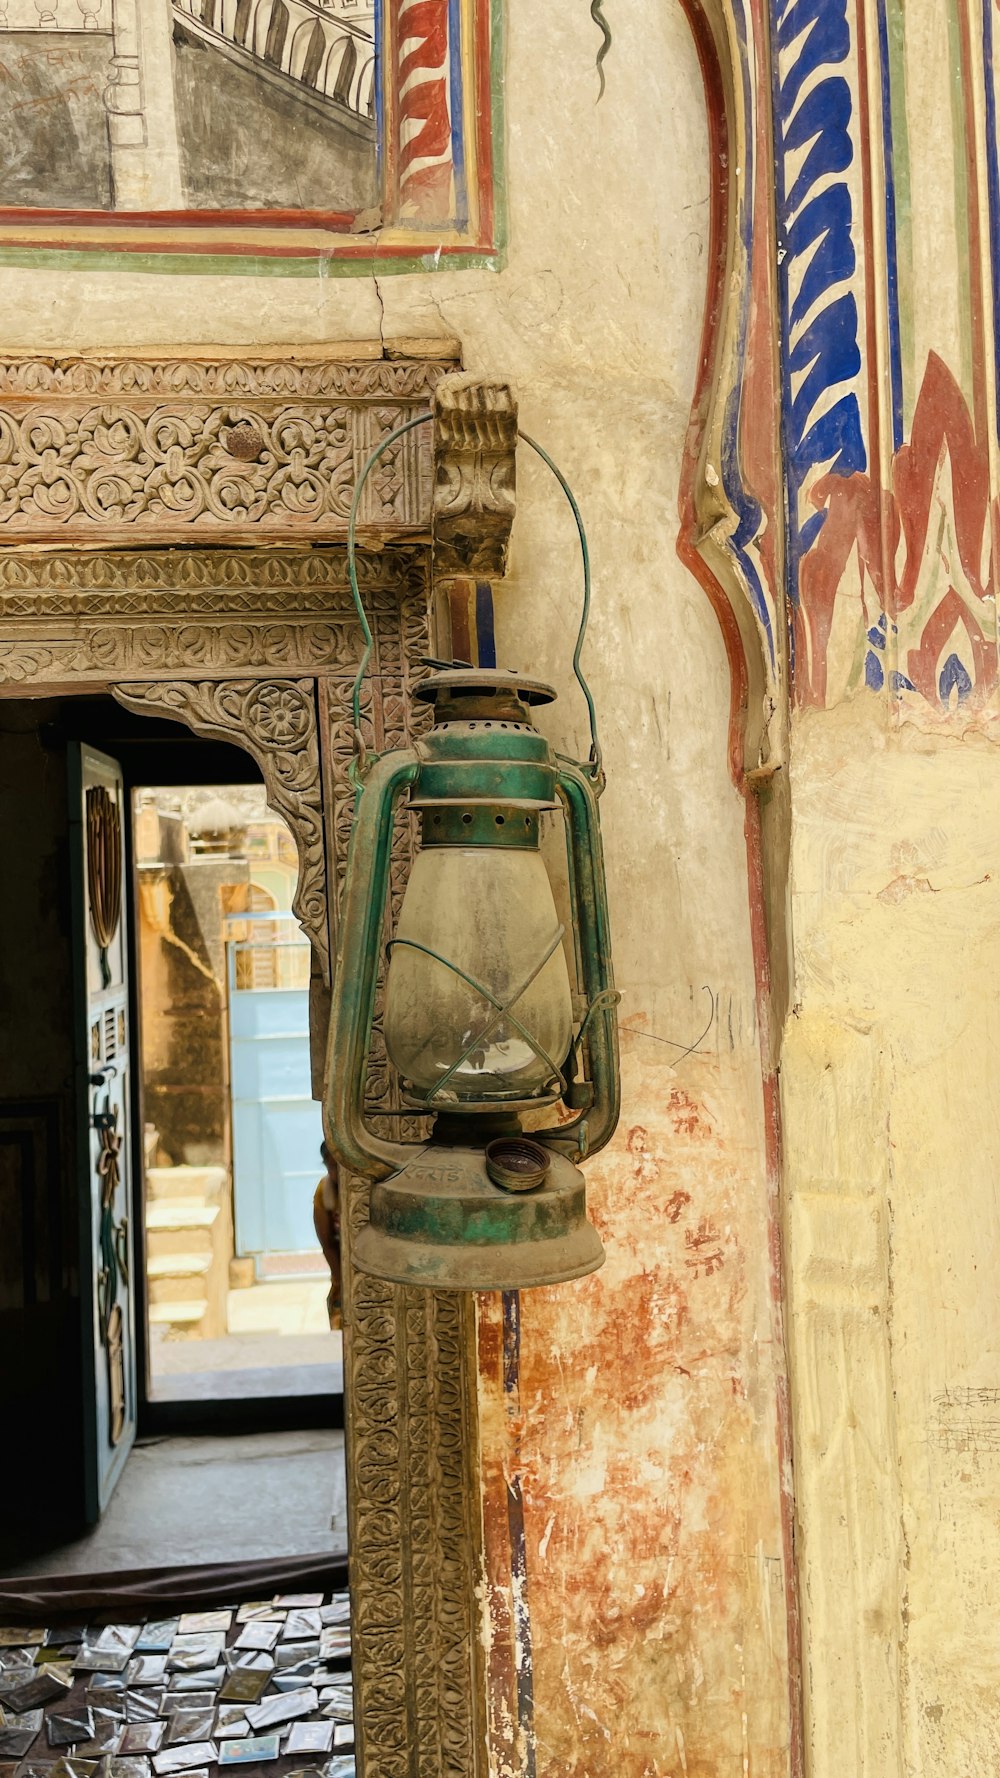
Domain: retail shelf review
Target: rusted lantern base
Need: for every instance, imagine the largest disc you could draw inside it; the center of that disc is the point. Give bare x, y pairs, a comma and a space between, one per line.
443, 1224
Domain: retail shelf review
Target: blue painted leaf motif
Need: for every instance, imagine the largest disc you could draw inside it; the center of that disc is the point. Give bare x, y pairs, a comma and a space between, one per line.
813, 110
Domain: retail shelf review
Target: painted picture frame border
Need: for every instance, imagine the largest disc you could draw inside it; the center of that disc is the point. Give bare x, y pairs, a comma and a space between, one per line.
439, 151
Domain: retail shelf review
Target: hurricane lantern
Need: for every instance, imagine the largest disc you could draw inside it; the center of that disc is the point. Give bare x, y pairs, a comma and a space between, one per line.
481, 1020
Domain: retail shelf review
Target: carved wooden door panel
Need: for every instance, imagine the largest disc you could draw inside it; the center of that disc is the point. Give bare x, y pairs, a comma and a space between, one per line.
97, 805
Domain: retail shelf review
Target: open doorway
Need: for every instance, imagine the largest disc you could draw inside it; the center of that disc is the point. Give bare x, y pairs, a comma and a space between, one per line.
192, 1479
239, 1297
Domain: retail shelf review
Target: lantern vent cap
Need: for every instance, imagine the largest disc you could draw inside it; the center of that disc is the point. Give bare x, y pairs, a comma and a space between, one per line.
448, 683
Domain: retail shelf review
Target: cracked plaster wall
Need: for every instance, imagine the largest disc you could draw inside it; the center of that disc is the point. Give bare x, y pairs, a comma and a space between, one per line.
644, 1432
891, 1111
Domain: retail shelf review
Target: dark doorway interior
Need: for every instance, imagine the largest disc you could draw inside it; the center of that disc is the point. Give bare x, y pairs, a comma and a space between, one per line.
42, 1221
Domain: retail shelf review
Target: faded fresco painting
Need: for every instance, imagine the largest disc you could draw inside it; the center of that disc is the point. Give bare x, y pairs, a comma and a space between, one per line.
237, 106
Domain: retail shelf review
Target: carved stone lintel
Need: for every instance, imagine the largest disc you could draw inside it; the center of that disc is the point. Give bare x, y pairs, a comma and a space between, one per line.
157, 450
275, 721
475, 438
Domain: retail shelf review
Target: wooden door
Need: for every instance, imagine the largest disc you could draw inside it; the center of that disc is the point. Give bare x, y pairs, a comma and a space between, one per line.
106, 1148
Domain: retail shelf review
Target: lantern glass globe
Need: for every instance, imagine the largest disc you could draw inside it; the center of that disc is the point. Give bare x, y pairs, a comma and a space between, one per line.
490, 912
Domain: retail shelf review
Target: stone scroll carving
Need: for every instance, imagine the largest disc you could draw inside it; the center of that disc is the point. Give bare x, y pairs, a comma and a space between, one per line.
475, 438
275, 720
163, 449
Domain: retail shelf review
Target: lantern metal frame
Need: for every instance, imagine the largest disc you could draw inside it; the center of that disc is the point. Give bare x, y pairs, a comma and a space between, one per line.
487, 766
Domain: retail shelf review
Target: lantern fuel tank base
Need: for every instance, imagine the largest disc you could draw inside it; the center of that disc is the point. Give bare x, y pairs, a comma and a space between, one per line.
443, 1224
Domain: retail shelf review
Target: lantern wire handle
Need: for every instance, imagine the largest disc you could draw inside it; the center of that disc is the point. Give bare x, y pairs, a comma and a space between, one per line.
407, 426
398, 432
595, 745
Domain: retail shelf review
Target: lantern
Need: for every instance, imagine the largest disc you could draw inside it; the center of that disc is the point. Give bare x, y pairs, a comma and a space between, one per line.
481, 1020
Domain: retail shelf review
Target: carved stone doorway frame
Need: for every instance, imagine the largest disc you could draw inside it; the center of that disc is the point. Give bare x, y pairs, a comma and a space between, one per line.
173, 535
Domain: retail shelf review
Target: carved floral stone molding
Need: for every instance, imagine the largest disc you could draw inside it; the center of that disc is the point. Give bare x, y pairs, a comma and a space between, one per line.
275, 720
141, 450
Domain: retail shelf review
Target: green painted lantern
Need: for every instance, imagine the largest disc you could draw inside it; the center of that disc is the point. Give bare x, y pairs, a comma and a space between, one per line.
482, 1022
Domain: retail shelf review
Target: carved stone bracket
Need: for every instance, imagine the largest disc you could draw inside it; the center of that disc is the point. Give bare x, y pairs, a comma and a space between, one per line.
275, 720
475, 440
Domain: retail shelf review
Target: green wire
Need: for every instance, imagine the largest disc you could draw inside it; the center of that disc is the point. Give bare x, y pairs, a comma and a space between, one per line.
595, 746
408, 426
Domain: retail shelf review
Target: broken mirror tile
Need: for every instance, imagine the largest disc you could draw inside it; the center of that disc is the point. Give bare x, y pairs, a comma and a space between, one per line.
272, 1711
250, 1750
107, 1691
301, 1626
20, 1636
70, 1766
141, 1737
298, 1601
8, 1768
201, 1679
65, 1728
296, 1654
16, 1660
116, 1765
146, 1670
14, 1743
343, 1734
28, 1768
294, 1679
107, 1729
190, 1725
255, 1609
341, 1766
258, 1634
179, 1759
43, 1688
28, 1719
306, 1772
191, 1652
115, 1636
309, 1737
62, 1634
197, 1623
245, 1686
51, 1657
156, 1638
338, 1611
101, 1660
230, 1723
335, 1641
144, 1706
339, 1709
110, 1704
257, 1659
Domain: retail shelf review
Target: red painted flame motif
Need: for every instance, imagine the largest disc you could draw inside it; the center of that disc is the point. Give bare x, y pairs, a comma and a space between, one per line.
924, 562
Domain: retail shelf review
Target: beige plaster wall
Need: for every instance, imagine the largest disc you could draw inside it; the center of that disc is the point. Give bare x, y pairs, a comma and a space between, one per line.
645, 1431
892, 1110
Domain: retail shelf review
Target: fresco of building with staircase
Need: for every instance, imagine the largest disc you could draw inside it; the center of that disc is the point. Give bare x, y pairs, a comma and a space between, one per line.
205, 105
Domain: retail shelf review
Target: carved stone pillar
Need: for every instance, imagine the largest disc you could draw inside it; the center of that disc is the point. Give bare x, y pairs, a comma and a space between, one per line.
142, 126
475, 439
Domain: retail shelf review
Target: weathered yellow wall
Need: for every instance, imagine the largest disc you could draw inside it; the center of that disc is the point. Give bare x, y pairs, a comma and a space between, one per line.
892, 1110
645, 1429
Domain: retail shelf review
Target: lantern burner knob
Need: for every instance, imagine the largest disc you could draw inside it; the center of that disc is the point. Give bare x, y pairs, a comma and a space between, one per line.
516, 1163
